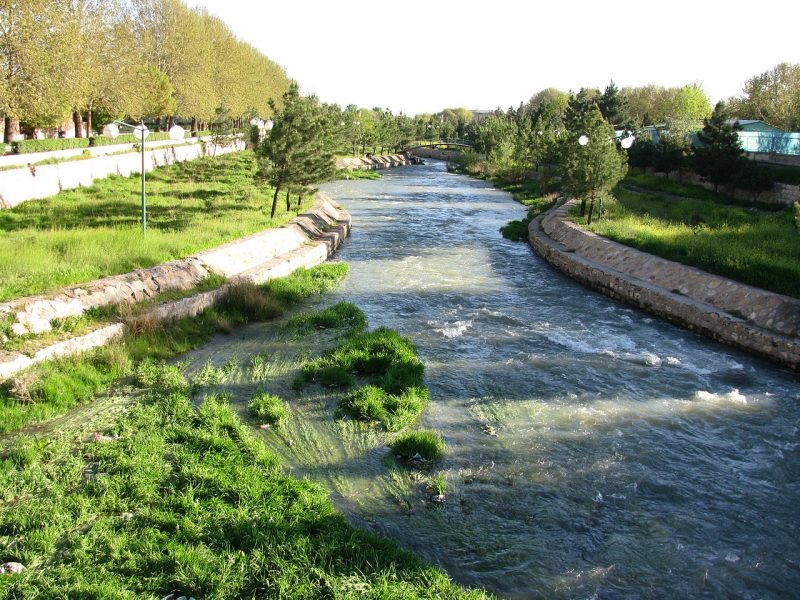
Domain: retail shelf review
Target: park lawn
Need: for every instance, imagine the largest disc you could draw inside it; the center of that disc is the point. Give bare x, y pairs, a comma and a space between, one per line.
84, 234
759, 248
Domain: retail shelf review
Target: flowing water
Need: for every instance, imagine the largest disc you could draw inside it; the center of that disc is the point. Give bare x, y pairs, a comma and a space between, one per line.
593, 451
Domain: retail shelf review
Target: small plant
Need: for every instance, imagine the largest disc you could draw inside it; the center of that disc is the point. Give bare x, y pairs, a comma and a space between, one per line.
438, 484
158, 374
248, 302
427, 443
516, 231
304, 283
342, 314
259, 366
209, 375
25, 451
269, 408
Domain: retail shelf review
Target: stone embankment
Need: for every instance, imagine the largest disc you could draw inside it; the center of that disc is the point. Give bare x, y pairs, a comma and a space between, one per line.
742, 316
435, 153
307, 240
375, 162
20, 185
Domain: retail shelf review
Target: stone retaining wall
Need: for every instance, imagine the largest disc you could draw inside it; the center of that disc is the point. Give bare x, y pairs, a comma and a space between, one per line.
375, 162
733, 313
435, 153
20, 185
308, 240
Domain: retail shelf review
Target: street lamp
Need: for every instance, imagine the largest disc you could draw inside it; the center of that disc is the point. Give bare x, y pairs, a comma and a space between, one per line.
625, 142
583, 140
176, 132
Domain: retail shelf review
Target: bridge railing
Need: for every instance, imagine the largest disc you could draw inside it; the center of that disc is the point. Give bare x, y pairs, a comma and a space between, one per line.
439, 142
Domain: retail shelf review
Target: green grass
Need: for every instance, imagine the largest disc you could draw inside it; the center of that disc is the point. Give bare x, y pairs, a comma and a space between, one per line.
305, 283
691, 191
51, 388
84, 234
340, 315
428, 443
187, 501
393, 393
269, 408
757, 248
357, 174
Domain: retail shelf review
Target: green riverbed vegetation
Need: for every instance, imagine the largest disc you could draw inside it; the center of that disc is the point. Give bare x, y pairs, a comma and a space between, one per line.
701, 229
87, 233
51, 388
183, 493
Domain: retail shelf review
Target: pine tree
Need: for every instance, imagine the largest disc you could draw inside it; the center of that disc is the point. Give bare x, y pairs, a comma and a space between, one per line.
591, 169
719, 159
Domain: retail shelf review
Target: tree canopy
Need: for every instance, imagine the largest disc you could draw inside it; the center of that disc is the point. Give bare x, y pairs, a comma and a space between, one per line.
136, 58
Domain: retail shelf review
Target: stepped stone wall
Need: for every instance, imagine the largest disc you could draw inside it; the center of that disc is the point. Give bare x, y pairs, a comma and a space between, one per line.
736, 314
308, 240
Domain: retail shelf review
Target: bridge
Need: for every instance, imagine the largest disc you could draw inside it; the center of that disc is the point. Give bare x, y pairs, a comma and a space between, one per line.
440, 143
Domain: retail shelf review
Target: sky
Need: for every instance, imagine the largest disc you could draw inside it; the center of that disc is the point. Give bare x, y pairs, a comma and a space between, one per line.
424, 56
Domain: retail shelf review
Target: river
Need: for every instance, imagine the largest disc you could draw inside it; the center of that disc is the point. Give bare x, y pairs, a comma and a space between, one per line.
593, 451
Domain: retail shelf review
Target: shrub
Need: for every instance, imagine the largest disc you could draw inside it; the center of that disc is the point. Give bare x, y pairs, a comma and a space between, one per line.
365, 403
30, 146
516, 231
342, 314
428, 443
158, 374
268, 408
246, 301
304, 283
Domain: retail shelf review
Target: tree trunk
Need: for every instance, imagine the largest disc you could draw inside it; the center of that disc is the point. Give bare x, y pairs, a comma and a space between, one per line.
299, 199
89, 122
275, 202
591, 210
78, 122
583, 206
11, 129
194, 125
288, 202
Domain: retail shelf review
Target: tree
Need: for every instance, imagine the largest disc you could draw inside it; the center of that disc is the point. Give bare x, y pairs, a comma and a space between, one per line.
773, 97
689, 103
297, 151
33, 90
720, 157
674, 145
589, 170
614, 107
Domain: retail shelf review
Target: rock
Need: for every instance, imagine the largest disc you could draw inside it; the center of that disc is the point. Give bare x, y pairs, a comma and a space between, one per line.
19, 329
439, 499
12, 568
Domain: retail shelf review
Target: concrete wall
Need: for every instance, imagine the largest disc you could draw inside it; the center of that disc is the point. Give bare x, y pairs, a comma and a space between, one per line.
748, 318
20, 185
376, 162
308, 240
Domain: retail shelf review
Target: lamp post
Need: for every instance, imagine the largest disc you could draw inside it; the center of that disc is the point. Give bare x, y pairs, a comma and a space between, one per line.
111, 131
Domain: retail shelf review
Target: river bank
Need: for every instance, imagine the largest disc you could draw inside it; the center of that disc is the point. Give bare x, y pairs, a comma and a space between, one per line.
742, 316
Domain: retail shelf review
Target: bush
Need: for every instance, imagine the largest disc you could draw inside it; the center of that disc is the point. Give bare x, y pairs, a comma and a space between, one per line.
342, 314
30, 146
304, 283
268, 408
248, 302
426, 442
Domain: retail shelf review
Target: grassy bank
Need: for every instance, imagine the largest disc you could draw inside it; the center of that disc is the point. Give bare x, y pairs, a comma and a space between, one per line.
84, 234
178, 495
50, 389
186, 501
760, 248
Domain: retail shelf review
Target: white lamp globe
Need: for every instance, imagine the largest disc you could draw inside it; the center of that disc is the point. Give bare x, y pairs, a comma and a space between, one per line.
141, 131
111, 131
583, 140
176, 132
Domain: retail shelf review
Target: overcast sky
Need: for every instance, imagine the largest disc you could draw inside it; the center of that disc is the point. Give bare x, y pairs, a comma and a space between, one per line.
425, 56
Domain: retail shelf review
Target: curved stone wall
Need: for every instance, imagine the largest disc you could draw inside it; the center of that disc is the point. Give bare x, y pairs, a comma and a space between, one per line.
730, 312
